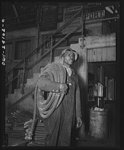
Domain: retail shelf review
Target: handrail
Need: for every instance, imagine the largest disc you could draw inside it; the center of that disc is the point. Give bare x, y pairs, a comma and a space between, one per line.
24, 96
68, 22
30, 54
38, 48
45, 54
58, 30
52, 48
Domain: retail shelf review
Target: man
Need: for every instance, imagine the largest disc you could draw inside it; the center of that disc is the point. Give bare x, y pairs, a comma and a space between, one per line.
61, 108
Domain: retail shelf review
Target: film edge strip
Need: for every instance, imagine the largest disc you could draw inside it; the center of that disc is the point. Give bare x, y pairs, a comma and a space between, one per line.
3, 42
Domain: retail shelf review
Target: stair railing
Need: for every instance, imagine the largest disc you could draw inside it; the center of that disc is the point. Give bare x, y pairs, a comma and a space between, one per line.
22, 62
52, 48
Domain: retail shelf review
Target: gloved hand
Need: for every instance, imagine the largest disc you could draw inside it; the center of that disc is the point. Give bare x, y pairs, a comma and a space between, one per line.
63, 88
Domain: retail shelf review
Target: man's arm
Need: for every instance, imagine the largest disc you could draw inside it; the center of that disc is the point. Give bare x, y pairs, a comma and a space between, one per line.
78, 107
45, 84
78, 102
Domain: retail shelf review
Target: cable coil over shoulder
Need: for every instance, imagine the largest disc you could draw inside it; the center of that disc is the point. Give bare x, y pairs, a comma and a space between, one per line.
58, 74
46, 107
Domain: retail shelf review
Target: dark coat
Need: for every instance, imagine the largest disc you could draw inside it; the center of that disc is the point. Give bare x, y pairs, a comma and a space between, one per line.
59, 125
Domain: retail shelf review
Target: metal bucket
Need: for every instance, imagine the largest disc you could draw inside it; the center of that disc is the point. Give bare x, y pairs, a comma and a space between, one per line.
98, 124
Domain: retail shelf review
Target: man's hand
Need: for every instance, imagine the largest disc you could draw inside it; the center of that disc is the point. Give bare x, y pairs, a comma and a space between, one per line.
79, 122
63, 87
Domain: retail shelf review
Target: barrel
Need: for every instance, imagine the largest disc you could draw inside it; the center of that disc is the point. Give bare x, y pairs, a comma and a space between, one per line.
98, 124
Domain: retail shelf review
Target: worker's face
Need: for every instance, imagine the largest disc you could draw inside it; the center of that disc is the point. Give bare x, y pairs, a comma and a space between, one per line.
69, 58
